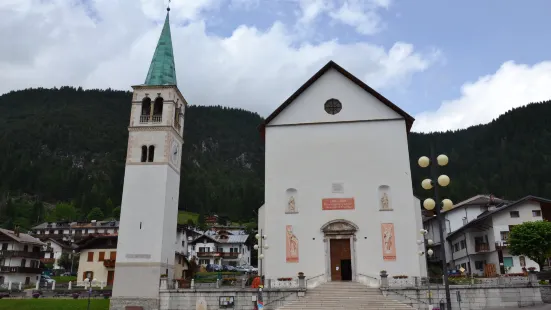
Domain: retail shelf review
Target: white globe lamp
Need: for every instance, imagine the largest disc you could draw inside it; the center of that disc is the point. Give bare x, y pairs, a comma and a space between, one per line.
426, 184
444, 180
429, 204
447, 204
423, 161
442, 160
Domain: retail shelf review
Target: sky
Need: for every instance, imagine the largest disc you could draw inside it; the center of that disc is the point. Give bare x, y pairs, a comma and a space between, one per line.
449, 64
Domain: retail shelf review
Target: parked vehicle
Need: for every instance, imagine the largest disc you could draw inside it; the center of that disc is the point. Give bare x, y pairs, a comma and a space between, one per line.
214, 268
228, 268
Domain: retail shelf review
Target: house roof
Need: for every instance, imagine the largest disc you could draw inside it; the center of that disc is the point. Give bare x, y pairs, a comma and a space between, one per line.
22, 238
332, 65
477, 200
92, 239
488, 214
60, 243
238, 238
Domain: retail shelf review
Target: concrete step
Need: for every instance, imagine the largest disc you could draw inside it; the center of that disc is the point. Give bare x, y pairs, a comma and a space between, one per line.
344, 295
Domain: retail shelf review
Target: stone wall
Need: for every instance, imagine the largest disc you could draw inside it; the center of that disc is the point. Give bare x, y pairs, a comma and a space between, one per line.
545, 292
243, 298
472, 297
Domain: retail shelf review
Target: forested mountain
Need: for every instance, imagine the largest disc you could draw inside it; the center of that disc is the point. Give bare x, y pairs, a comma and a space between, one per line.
69, 145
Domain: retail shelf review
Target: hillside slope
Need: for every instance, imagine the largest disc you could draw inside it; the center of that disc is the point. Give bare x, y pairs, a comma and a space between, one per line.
70, 144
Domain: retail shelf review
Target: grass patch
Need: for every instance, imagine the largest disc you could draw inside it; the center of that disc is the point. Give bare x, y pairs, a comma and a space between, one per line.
64, 279
185, 216
53, 304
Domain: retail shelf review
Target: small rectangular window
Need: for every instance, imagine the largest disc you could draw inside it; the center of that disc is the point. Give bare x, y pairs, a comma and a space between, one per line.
508, 262
536, 213
90, 256
101, 257
514, 214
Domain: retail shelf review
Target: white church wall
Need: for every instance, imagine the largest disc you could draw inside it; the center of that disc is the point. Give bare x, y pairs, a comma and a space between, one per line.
362, 156
419, 221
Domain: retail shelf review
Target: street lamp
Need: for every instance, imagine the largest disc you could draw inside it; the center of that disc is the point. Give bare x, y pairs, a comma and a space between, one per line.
88, 283
260, 247
431, 204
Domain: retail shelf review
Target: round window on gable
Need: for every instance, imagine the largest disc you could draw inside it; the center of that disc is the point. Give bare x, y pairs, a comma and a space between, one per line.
333, 106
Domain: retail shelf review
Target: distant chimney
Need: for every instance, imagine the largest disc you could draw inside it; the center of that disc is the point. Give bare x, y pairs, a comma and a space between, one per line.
16, 231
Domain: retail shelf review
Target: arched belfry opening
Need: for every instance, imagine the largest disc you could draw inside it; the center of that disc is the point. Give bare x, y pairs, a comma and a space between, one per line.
340, 249
146, 109
144, 154
158, 109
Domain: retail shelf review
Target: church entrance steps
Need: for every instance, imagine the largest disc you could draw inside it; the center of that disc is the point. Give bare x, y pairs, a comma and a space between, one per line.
344, 295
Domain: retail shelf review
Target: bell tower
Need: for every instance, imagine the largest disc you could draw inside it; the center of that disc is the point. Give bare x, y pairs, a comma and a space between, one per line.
149, 210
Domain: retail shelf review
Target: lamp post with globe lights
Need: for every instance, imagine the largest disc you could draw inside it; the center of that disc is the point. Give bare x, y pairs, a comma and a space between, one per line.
431, 204
260, 247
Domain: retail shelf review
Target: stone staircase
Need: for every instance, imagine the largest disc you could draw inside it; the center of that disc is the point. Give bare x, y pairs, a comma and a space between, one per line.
344, 295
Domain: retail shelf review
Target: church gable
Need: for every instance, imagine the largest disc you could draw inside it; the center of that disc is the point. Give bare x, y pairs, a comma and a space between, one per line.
335, 95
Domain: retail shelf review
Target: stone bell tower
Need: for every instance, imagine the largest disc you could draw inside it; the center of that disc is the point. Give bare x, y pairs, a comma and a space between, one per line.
149, 211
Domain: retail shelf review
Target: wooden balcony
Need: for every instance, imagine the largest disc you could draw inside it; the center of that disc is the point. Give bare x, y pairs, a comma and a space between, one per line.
218, 254
6, 269
109, 263
23, 254
482, 247
47, 260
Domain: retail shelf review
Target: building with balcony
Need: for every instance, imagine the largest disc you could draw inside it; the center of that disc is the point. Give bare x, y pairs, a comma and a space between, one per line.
222, 247
98, 255
54, 249
455, 218
479, 246
19, 257
74, 231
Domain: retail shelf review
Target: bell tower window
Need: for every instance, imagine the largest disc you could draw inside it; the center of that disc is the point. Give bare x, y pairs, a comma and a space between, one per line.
144, 153
158, 110
146, 110
151, 153
148, 153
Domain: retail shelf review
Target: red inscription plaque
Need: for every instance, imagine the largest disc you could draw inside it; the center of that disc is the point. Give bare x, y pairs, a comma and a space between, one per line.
337, 204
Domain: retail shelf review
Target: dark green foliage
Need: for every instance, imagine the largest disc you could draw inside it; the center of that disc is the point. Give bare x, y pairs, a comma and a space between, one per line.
95, 214
116, 213
69, 145
532, 239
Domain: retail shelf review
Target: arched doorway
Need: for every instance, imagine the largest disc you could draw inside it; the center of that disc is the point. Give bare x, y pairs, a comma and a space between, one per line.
340, 250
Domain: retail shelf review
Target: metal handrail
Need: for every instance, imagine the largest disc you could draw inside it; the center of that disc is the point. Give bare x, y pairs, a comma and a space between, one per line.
372, 277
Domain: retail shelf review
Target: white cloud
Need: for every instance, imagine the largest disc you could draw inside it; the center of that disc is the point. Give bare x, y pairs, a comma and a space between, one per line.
513, 85
359, 14
110, 44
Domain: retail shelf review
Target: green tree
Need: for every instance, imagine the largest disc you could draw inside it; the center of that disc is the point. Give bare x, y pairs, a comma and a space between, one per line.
95, 214
201, 222
532, 239
67, 260
117, 213
65, 212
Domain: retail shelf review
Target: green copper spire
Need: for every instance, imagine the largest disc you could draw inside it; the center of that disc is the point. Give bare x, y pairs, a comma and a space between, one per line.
162, 70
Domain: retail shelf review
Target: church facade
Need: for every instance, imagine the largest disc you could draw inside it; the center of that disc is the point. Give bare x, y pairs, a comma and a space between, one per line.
339, 203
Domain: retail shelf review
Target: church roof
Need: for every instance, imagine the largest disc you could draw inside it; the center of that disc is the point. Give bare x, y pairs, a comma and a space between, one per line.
332, 65
162, 70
